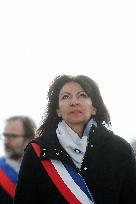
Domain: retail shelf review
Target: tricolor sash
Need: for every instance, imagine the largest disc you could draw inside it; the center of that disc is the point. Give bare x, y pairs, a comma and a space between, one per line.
8, 177
67, 180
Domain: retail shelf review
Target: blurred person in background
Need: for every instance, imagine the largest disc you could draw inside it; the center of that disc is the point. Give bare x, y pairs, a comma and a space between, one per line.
18, 132
133, 144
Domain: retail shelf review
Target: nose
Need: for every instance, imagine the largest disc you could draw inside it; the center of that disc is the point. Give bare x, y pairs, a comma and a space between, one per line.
74, 101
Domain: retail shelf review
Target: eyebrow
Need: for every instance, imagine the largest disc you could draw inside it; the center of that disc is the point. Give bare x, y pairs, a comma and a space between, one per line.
66, 92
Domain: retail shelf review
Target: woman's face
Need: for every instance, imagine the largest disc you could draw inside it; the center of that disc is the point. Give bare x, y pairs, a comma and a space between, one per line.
75, 107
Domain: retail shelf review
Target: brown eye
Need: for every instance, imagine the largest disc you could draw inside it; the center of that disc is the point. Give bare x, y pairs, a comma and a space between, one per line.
65, 97
83, 95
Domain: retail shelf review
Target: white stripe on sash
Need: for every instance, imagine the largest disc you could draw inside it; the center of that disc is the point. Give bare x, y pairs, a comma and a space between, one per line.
75, 189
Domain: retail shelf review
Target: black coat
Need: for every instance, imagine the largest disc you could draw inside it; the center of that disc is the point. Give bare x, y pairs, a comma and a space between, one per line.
5, 198
108, 168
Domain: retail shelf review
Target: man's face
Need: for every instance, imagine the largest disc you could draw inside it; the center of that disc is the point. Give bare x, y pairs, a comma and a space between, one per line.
14, 141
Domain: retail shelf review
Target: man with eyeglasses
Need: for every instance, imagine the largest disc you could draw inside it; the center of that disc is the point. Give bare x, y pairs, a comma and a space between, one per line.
18, 132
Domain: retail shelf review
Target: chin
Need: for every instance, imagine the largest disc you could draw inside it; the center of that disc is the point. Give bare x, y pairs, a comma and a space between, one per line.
14, 156
77, 121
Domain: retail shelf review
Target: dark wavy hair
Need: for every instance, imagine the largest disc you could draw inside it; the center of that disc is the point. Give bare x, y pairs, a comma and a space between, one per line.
50, 117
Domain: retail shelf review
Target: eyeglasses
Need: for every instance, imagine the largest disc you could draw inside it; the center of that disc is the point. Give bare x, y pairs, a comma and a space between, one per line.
9, 136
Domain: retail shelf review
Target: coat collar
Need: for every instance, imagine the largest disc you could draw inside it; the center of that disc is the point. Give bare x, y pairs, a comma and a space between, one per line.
51, 148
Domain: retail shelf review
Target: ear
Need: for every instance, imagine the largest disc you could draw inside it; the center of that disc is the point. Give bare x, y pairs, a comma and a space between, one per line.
94, 111
58, 113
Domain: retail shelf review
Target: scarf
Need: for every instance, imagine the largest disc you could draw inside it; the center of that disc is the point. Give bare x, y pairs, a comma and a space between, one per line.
74, 145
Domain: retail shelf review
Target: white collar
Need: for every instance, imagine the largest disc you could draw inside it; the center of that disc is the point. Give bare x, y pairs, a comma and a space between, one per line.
13, 163
74, 145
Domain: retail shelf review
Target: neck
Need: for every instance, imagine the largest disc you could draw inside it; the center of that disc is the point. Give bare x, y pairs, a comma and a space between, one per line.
77, 129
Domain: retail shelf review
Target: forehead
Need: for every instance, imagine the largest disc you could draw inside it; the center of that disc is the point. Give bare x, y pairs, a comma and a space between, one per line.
14, 126
71, 87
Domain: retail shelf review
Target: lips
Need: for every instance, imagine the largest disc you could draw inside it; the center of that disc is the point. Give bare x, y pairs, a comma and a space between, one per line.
75, 112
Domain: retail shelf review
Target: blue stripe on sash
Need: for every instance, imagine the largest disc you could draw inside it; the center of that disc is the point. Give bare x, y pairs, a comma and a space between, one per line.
78, 180
9, 171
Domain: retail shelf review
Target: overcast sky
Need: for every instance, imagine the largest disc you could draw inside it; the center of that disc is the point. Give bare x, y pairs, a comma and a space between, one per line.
41, 39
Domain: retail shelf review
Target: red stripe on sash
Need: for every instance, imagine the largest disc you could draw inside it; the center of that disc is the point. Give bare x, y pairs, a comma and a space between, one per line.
7, 184
61, 186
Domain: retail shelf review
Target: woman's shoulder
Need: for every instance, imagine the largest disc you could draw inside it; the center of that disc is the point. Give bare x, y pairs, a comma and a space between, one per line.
47, 140
113, 145
112, 138
39, 141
